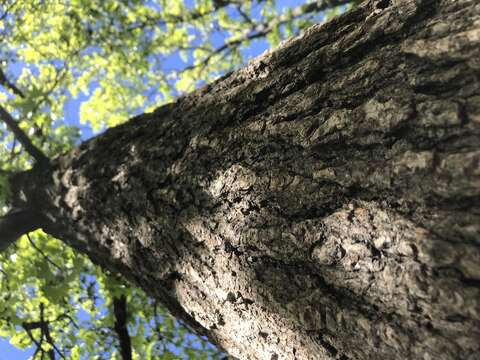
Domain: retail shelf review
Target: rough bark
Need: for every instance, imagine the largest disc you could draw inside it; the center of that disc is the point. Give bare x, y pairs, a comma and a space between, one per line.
321, 203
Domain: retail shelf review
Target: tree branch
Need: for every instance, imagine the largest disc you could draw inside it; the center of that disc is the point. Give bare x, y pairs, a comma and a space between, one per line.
45, 256
4, 81
120, 312
262, 29
27, 144
15, 224
44, 334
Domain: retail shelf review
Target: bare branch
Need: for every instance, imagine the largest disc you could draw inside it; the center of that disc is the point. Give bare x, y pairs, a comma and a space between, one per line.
38, 344
68, 317
261, 29
27, 144
15, 224
43, 254
120, 312
9, 85
243, 14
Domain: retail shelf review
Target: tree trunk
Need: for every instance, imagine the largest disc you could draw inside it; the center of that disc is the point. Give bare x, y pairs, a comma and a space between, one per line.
321, 203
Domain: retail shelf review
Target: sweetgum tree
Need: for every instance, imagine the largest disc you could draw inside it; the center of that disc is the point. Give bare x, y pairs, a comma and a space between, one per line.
320, 203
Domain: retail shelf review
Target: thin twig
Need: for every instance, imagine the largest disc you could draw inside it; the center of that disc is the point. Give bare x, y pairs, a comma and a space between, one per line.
261, 29
65, 315
28, 327
42, 253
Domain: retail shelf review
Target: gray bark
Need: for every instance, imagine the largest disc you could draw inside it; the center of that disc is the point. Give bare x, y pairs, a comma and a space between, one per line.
321, 203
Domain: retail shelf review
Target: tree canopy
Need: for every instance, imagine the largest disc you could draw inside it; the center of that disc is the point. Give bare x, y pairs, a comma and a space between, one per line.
109, 60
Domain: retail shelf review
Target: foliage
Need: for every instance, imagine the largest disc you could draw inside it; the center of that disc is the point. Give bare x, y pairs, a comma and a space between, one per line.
117, 58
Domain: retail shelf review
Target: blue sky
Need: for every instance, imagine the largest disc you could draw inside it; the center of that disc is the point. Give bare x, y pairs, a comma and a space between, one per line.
8, 352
